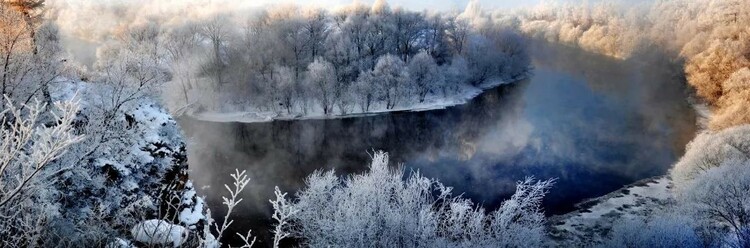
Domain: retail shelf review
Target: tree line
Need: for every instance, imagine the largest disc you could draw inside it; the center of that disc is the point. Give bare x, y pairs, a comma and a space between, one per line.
295, 61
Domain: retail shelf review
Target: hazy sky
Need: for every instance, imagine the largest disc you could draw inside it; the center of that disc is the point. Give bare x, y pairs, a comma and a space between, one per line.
415, 4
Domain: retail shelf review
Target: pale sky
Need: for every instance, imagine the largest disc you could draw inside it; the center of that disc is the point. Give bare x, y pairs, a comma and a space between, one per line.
413, 4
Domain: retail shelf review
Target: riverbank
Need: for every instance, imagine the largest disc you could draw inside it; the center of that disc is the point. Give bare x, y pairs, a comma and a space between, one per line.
432, 102
593, 218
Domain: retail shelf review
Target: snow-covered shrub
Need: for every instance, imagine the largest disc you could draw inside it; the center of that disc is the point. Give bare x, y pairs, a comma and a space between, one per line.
660, 231
385, 208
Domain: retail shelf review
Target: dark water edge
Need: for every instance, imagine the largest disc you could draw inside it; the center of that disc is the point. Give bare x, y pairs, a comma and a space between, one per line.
592, 122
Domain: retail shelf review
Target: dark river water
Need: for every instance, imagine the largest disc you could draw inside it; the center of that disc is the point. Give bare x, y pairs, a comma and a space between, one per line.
592, 122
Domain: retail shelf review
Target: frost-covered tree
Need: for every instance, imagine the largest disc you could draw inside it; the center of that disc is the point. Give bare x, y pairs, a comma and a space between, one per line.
391, 77
179, 45
316, 29
734, 101
345, 97
712, 184
283, 77
218, 50
424, 74
28, 151
711, 150
435, 39
719, 200
383, 207
365, 91
29, 52
455, 74
216, 31
408, 28
321, 76
457, 33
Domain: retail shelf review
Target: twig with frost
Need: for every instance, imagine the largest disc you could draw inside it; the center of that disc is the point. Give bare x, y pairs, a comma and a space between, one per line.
247, 239
240, 181
282, 213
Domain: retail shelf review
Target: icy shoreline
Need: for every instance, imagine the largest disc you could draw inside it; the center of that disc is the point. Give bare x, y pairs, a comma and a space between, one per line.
433, 103
593, 218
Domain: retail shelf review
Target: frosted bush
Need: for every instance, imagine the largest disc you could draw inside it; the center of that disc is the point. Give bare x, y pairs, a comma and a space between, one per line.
385, 208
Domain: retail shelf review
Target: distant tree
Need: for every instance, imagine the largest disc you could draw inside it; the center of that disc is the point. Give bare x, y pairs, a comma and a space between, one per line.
283, 77
365, 91
389, 73
15, 46
424, 74
179, 46
483, 60
297, 39
317, 30
456, 74
512, 48
32, 11
216, 32
342, 54
379, 38
733, 101
457, 33
408, 28
435, 38
321, 75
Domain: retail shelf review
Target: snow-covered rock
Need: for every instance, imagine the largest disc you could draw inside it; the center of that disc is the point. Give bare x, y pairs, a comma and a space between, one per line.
136, 164
159, 232
119, 243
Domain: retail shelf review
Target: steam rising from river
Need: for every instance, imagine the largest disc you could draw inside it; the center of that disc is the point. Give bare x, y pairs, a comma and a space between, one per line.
581, 117
593, 122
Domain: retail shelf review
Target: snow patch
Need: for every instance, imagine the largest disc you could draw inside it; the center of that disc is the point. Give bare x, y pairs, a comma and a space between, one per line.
596, 216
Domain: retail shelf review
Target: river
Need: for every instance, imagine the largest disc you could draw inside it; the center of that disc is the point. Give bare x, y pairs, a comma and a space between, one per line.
591, 122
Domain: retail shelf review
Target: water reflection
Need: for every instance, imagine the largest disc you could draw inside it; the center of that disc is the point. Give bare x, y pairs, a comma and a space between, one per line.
593, 123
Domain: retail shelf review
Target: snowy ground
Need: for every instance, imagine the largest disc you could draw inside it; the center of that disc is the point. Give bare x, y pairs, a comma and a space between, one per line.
432, 102
595, 217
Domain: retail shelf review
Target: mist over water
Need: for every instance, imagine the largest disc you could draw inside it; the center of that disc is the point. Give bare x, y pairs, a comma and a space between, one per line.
590, 121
